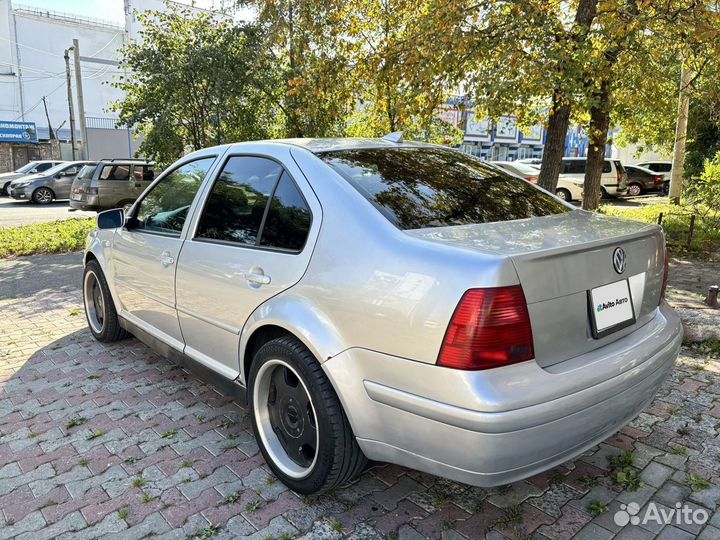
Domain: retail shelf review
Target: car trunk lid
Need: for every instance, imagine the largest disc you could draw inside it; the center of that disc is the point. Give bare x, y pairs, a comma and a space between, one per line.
558, 260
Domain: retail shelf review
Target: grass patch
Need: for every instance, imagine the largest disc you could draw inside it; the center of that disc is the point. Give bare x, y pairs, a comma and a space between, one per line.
123, 513
676, 224
596, 508
96, 434
169, 434
139, 482
252, 506
697, 483
55, 237
75, 422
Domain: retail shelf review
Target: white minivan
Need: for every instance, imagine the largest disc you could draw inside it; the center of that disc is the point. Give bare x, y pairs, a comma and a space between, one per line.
613, 181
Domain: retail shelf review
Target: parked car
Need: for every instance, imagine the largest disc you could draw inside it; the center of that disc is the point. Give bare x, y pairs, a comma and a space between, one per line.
45, 187
393, 301
613, 181
568, 187
531, 161
642, 180
661, 167
29, 168
111, 183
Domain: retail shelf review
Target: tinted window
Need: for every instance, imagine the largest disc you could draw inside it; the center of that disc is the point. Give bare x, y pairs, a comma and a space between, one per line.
634, 171
607, 167
661, 167
288, 220
165, 207
573, 166
237, 202
87, 172
115, 172
432, 187
143, 173
43, 167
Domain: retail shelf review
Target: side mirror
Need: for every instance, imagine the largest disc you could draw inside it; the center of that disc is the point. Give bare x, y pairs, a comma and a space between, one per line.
111, 219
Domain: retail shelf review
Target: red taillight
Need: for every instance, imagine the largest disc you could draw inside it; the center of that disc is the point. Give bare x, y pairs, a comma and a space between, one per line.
618, 172
490, 328
666, 270
92, 191
658, 179
533, 179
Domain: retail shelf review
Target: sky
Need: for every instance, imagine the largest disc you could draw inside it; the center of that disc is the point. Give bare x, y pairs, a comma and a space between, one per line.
110, 10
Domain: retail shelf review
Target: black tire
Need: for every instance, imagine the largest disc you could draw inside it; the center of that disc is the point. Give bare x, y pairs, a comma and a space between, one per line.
604, 194
638, 187
43, 195
338, 457
564, 194
4, 190
107, 329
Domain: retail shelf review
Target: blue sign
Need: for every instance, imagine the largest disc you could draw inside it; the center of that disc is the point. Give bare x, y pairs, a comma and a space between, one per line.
18, 132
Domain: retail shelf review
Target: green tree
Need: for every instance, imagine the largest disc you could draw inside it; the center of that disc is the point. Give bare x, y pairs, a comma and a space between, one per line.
195, 80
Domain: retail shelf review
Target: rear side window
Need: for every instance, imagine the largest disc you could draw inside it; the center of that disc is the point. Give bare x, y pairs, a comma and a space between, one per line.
44, 167
660, 167
254, 202
573, 166
115, 172
236, 205
288, 219
433, 187
143, 173
607, 167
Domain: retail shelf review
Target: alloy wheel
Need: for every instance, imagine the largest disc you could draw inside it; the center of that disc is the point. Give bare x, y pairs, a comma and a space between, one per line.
634, 190
94, 302
43, 196
286, 418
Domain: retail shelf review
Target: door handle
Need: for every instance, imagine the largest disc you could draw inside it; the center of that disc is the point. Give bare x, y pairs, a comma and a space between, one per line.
166, 259
257, 279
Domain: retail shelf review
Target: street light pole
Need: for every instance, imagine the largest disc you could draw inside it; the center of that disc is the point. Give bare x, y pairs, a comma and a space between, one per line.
70, 102
81, 101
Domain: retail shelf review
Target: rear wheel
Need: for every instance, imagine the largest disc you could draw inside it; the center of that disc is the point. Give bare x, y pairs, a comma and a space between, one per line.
43, 195
100, 309
564, 194
301, 427
4, 190
634, 189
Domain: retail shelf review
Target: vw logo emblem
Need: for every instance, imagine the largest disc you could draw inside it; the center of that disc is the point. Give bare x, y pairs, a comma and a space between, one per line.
619, 260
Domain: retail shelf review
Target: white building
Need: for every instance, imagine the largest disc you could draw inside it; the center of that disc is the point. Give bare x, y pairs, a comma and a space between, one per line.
32, 66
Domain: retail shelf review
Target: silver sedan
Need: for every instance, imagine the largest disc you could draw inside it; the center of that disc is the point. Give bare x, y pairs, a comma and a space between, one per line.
401, 302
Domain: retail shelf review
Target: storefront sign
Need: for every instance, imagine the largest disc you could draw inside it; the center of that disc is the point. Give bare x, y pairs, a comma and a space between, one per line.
18, 132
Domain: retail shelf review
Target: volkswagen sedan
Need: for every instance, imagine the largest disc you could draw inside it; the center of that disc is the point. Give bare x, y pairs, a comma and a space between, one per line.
400, 302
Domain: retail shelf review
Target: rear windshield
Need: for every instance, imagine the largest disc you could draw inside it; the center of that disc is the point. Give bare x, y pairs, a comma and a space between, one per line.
433, 187
86, 173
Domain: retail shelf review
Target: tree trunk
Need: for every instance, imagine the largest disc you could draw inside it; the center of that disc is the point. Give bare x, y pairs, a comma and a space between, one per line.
678, 167
558, 123
559, 119
597, 138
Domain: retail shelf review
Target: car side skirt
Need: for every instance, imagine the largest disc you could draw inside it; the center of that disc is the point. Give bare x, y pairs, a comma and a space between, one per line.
231, 389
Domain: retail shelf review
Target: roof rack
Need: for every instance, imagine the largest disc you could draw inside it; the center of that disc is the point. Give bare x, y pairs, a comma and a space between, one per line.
126, 159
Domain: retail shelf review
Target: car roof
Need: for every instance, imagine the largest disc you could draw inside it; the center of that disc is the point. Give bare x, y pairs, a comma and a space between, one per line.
640, 167
318, 145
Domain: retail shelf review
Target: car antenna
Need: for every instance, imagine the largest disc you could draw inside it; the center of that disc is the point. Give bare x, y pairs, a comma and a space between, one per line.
394, 137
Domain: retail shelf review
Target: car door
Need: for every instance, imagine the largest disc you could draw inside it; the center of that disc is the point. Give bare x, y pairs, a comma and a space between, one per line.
252, 240
146, 249
62, 181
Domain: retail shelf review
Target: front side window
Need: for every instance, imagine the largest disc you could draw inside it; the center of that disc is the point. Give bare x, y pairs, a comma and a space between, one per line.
164, 209
115, 172
433, 187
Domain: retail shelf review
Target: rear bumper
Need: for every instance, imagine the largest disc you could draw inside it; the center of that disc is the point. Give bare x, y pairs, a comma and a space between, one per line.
89, 203
498, 426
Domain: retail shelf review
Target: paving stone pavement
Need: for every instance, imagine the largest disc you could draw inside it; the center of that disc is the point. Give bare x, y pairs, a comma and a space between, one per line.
113, 441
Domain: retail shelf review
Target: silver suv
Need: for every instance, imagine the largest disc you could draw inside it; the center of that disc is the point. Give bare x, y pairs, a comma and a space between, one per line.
393, 301
111, 183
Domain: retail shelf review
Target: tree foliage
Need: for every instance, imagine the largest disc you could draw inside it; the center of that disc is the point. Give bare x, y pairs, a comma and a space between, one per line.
195, 80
